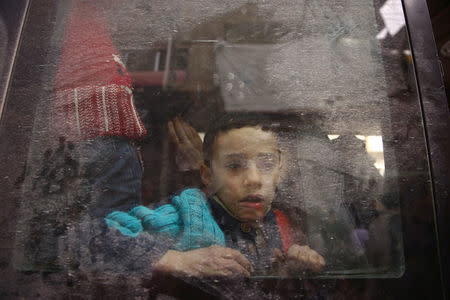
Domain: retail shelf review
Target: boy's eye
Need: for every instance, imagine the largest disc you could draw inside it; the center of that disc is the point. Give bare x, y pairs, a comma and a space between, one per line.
267, 164
234, 165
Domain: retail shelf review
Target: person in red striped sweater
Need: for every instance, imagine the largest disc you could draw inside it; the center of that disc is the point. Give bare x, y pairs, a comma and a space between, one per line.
93, 108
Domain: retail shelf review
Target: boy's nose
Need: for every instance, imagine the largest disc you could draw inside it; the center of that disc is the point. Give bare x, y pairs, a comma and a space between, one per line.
253, 176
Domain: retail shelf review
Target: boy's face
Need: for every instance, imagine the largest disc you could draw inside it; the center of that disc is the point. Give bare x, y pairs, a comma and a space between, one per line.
245, 171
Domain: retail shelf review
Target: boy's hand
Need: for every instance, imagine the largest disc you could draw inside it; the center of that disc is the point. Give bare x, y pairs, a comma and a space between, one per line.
298, 259
205, 262
188, 145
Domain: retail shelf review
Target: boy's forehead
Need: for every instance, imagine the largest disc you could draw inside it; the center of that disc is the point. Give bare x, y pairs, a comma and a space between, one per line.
245, 140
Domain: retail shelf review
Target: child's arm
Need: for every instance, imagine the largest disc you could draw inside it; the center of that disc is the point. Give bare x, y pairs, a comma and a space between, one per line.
204, 262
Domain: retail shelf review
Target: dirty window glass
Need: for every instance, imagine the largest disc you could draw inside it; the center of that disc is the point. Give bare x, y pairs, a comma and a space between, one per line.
162, 129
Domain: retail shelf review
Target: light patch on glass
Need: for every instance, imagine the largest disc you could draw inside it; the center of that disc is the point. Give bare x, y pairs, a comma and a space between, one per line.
374, 143
392, 14
202, 136
333, 136
374, 147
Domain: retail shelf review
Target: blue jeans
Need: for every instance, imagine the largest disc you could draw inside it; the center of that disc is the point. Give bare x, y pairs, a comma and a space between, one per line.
111, 175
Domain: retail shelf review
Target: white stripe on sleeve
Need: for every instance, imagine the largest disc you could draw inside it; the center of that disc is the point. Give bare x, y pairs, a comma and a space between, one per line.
105, 113
130, 92
77, 116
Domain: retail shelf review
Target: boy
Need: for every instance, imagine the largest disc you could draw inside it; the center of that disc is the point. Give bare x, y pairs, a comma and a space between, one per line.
241, 170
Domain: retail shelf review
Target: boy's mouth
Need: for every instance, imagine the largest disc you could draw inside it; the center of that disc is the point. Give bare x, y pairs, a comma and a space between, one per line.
252, 201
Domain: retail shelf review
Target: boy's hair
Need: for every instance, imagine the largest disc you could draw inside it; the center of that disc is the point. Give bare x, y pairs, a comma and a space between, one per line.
230, 121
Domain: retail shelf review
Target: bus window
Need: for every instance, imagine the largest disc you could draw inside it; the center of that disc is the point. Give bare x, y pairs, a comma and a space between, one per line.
200, 144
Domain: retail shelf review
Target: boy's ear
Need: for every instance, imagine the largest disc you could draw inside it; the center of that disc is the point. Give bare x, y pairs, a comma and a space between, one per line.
206, 175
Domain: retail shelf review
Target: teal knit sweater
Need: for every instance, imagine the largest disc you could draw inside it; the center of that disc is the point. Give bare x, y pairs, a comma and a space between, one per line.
187, 221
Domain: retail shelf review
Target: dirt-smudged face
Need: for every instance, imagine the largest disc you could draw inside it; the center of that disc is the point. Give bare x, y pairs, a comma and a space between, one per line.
245, 171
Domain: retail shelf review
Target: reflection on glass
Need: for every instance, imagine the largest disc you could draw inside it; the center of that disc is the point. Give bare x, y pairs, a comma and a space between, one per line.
392, 14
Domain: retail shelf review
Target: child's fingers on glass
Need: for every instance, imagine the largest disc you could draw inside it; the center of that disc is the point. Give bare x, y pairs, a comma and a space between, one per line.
293, 267
235, 268
188, 130
235, 255
179, 129
278, 255
318, 262
196, 138
172, 134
